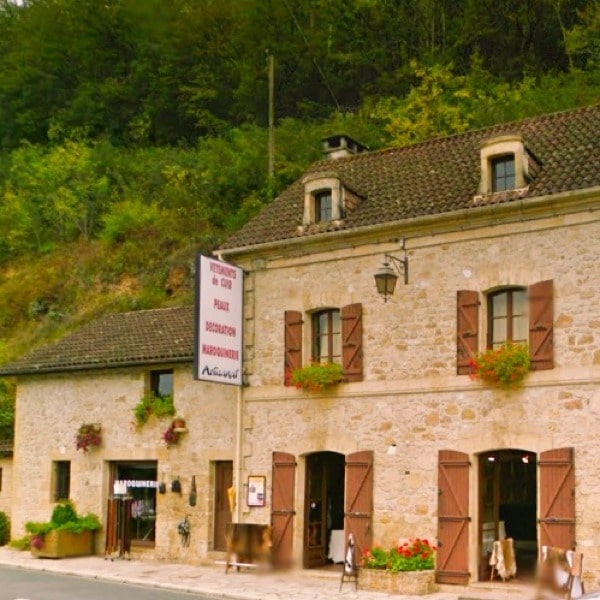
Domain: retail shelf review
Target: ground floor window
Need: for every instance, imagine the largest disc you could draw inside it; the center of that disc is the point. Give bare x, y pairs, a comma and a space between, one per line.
61, 480
136, 480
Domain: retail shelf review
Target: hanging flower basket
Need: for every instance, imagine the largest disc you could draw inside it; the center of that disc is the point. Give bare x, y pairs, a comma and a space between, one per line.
317, 376
88, 434
504, 367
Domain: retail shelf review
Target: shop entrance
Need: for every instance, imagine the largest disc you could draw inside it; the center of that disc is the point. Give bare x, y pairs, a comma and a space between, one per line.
324, 509
137, 480
508, 507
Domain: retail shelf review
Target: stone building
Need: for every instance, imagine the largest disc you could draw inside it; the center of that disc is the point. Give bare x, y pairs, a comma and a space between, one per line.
493, 236
96, 377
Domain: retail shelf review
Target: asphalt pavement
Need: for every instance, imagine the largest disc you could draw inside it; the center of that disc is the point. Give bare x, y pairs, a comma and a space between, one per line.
211, 580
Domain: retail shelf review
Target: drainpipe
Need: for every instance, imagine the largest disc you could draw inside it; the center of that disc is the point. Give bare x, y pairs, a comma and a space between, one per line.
239, 453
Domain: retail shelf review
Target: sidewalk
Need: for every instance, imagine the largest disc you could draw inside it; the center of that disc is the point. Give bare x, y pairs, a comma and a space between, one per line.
209, 581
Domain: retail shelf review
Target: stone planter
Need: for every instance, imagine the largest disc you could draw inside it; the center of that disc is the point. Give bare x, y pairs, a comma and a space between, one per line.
410, 583
61, 544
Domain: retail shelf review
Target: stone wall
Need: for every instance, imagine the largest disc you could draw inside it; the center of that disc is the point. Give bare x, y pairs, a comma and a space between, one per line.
50, 409
6, 487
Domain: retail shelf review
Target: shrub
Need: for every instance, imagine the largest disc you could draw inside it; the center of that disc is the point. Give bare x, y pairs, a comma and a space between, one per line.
4, 528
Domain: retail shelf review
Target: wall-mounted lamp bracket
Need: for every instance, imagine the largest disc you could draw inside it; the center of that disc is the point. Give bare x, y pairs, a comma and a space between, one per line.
385, 278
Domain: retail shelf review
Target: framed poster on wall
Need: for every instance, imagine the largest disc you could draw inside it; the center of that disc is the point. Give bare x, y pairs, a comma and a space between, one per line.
256, 490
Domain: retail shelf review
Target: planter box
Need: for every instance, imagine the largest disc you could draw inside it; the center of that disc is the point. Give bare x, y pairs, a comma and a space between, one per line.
410, 583
61, 544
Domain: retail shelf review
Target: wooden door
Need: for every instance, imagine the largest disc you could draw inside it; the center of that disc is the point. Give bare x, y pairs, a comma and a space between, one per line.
453, 517
282, 508
557, 498
223, 481
358, 513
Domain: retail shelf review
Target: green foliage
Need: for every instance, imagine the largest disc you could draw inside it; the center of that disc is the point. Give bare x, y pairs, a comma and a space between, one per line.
7, 410
63, 512
152, 404
64, 518
317, 376
22, 543
416, 555
4, 528
504, 367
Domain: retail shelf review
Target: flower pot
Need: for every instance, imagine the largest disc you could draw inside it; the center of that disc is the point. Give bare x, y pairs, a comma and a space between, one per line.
409, 583
61, 544
178, 425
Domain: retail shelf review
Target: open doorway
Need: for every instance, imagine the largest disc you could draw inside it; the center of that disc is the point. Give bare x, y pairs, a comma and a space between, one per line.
508, 507
324, 509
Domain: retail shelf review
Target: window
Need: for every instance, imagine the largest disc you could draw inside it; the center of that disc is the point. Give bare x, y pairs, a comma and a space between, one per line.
335, 335
61, 475
161, 383
503, 173
517, 314
507, 317
326, 334
323, 207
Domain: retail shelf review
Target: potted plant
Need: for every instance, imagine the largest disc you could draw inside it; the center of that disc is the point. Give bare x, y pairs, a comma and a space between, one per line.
153, 404
170, 436
407, 568
316, 376
88, 434
504, 367
66, 534
179, 424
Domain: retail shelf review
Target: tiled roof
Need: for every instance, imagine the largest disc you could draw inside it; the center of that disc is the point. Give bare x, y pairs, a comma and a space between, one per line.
143, 337
438, 176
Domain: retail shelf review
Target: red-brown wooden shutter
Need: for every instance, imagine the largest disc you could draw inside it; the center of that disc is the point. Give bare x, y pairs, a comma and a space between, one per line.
453, 518
358, 514
557, 498
541, 325
352, 352
282, 508
293, 344
467, 330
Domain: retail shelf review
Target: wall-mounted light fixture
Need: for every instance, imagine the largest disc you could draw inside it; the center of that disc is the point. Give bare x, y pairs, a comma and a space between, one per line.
385, 278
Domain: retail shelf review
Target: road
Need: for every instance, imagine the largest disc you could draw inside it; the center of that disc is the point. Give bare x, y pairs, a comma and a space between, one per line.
24, 584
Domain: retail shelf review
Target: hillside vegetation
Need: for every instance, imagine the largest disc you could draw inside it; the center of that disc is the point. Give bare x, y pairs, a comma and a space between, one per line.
133, 134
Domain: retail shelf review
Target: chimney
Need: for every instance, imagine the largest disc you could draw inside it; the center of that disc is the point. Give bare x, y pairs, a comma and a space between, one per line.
341, 146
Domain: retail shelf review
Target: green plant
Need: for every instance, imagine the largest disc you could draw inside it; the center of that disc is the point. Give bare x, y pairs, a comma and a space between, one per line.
317, 376
153, 404
22, 543
503, 367
4, 528
64, 518
415, 555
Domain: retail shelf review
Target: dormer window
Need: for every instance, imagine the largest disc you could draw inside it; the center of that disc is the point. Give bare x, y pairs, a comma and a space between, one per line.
323, 206
503, 173
506, 165
323, 198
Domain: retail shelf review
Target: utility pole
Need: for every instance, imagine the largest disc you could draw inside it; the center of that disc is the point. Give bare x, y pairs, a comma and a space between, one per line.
271, 70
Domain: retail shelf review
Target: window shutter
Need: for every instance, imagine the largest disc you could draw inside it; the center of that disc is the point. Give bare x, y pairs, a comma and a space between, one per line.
467, 330
293, 343
352, 350
541, 324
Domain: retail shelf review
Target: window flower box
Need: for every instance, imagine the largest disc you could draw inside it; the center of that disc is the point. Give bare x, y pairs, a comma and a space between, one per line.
504, 367
315, 376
